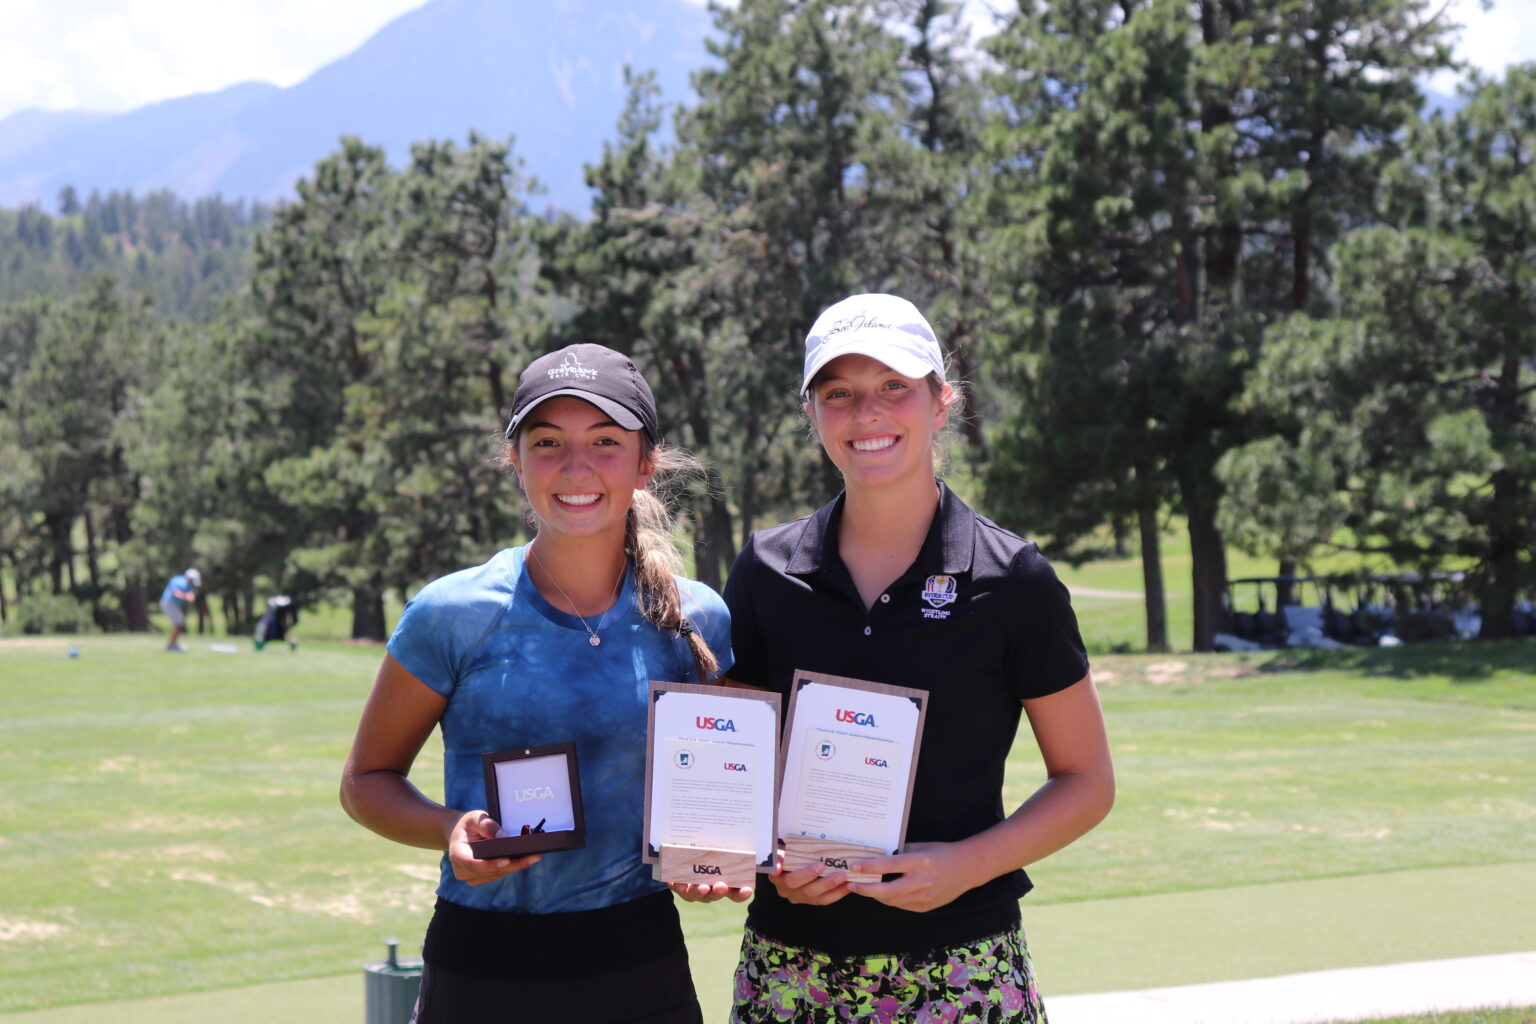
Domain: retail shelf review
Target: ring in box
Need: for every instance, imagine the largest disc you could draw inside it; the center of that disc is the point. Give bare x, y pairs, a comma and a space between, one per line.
534, 793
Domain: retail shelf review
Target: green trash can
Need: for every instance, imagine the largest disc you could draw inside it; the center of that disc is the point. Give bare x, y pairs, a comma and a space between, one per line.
389, 988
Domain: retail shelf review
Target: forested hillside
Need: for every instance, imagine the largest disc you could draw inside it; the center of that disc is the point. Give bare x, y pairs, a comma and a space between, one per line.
183, 254
1192, 258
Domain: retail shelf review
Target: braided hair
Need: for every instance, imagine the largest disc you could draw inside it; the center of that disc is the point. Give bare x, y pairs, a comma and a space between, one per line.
648, 544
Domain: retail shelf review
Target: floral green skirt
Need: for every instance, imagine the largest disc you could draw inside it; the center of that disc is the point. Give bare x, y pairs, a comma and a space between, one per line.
989, 980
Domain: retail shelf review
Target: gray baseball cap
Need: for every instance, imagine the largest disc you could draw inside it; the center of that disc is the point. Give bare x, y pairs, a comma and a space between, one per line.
592, 373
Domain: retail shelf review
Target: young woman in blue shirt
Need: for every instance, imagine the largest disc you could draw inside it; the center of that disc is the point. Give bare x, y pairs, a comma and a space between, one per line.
553, 641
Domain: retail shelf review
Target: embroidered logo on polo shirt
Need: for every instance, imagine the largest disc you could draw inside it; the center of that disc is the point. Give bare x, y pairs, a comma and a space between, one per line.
938, 592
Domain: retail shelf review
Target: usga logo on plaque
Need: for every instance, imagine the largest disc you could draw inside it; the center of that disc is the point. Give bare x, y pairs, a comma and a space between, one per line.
683, 759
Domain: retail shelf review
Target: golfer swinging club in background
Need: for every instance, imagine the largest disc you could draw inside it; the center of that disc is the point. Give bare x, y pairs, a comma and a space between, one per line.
179, 593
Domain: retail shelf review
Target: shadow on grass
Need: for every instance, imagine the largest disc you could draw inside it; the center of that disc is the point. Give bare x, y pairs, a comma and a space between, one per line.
1466, 663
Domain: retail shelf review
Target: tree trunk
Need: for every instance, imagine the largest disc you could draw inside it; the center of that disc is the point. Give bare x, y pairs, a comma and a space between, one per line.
1208, 572
1506, 534
498, 391
1152, 581
715, 550
1502, 583
367, 614
135, 605
135, 601
92, 567
1120, 530
1285, 592
56, 525
746, 505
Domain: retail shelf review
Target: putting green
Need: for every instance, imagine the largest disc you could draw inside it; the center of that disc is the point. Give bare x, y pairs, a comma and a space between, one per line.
1093, 946
1282, 928
315, 999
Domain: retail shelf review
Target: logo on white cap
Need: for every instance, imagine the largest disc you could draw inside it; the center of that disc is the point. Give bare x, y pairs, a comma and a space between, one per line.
887, 328
857, 322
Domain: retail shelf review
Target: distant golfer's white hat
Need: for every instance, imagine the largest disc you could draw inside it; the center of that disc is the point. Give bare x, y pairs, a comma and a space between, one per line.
194, 576
886, 328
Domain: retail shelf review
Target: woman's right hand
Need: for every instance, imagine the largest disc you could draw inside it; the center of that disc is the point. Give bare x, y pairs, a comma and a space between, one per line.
807, 884
710, 893
473, 826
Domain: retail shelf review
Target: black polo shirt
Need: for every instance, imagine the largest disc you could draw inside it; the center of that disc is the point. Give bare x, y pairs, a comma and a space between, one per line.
980, 621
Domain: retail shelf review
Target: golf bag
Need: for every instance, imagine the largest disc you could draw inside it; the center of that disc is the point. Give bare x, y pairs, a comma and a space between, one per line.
276, 621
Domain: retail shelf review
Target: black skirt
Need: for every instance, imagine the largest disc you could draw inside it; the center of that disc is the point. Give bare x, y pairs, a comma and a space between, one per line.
625, 963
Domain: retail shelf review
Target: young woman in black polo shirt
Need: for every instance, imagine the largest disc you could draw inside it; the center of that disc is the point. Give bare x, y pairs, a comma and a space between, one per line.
897, 581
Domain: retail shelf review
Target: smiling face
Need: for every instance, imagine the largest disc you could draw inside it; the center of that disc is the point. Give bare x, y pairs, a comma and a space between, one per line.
876, 425
578, 468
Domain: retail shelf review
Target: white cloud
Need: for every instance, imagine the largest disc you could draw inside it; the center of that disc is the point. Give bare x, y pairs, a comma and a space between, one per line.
23, 72
1493, 39
107, 51
120, 54
1490, 40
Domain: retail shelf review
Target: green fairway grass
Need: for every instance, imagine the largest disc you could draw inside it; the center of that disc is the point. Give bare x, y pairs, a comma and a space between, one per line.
1497, 1015
313, 1001
168, 823
171, 821
1281, 928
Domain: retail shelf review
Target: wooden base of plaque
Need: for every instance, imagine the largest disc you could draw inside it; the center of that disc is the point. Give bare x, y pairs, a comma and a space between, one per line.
692, 864
835, 854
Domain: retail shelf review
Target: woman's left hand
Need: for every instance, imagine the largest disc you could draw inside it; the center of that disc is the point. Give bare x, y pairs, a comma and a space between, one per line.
697, 893
932, 874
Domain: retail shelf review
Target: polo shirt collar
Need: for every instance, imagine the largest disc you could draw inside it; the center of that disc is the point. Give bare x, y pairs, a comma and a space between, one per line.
953, 528
959, 524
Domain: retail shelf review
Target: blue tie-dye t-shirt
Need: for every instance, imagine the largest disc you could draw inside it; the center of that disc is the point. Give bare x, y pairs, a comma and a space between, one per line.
517, 672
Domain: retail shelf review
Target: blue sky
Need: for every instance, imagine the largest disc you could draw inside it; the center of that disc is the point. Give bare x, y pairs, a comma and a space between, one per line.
119, 54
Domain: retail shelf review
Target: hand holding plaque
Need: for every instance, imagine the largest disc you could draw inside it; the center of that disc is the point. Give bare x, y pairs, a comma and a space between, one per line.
847, 768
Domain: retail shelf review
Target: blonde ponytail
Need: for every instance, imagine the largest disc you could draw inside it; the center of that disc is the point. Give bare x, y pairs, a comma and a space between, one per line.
648, 544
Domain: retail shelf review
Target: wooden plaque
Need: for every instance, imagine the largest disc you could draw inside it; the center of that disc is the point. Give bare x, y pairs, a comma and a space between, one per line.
736, 868
795, 832
679, 861
802, 850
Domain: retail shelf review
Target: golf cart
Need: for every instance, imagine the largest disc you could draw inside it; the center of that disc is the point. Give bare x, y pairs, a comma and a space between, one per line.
1282, 615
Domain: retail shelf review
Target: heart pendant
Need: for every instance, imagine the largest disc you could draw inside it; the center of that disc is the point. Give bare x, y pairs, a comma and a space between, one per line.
595, 640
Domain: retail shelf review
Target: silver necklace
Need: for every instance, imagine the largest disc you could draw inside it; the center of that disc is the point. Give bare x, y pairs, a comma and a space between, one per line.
592, 637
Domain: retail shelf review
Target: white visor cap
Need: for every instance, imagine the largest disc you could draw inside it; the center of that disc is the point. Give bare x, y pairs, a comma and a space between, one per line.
887, 328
